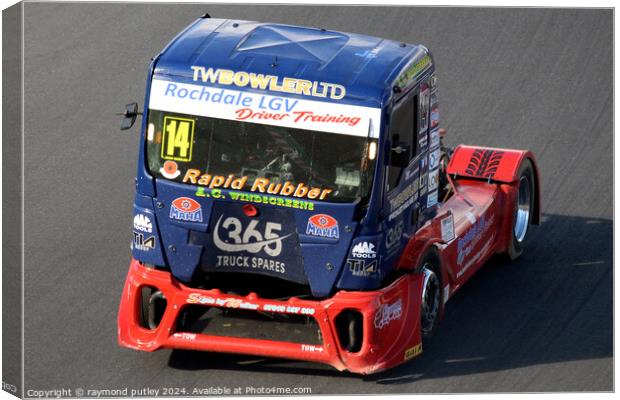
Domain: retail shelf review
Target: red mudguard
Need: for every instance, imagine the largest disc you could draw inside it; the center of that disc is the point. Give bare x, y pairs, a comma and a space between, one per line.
494, 165
500, 165
387, 341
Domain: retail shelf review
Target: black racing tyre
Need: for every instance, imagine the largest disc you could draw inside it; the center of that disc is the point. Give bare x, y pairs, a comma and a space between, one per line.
524, 210
431, 301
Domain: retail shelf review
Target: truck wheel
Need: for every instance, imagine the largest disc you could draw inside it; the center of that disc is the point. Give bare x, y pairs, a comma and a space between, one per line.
524, 206
431, 297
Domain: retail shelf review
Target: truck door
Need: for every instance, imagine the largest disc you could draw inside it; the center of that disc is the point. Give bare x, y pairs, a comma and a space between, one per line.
402, 207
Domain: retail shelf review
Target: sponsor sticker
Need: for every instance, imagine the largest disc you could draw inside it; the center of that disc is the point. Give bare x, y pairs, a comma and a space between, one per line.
388, 313
413, 351
473, 235
186, 209
281, 308
170, 170
197, 298
431, 199
260, 199
142, 242
433, 159
231, 302
434, 139
476, 256
268, 82
369, 53
265, 244
424, 106
393, 235
433, 179
413, 71
423, 183
423, 140
447, 228
433, 81
142, 223
206, 192
236, 303
434, 117
268, 241
255, 263
409, 172
404, 199
260, 185
423, 162
362, 268
250, 106
323, 225
364, 250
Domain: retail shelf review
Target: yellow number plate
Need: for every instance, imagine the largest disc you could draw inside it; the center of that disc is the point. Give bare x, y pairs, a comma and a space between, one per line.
178, 139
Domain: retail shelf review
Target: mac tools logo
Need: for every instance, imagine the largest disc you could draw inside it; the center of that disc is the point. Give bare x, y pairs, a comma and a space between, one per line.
364, 250
186, 209
323, 225
142, 223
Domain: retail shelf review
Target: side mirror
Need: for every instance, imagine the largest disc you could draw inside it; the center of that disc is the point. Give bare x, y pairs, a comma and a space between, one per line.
129, 116
400, 154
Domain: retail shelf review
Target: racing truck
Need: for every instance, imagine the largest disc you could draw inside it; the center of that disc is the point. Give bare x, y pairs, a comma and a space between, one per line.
294, 198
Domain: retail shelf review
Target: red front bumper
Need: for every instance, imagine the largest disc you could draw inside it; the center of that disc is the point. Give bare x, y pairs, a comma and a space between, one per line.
391, 330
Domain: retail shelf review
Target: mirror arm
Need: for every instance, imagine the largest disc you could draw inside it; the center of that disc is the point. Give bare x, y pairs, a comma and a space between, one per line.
128, 114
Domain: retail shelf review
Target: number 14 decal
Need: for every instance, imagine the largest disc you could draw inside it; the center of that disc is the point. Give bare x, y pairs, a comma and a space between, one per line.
178, 138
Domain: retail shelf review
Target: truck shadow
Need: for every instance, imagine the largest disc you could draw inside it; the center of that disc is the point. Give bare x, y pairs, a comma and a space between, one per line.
552, 305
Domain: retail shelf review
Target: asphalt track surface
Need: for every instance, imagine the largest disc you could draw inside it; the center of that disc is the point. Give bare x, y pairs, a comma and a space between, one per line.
537, 79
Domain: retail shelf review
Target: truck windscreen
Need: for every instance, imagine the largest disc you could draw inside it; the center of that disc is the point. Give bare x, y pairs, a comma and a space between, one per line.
221, 153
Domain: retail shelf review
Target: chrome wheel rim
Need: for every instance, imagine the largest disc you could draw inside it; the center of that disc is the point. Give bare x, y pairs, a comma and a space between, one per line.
523, 210
430, 299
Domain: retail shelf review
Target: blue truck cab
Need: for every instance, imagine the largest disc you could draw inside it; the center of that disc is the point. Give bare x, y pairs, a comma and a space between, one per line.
277, 156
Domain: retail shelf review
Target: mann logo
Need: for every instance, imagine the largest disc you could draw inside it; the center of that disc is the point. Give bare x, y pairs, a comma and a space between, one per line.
323, 225
186, 209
